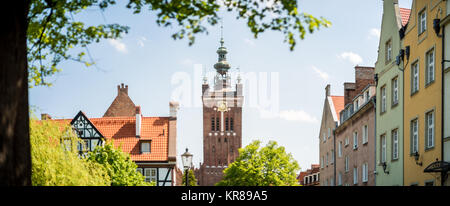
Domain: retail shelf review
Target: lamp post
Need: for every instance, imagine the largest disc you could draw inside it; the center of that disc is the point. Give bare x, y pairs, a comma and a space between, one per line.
187, 161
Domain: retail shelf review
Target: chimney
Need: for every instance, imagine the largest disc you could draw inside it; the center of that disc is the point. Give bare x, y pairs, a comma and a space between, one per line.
45, 116
138, 121
327, 90
173, 109
122, 88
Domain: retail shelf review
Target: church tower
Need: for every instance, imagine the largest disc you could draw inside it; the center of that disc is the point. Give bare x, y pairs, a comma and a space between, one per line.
222, 122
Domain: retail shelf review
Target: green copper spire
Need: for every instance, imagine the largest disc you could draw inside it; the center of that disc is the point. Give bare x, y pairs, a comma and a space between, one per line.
222, 65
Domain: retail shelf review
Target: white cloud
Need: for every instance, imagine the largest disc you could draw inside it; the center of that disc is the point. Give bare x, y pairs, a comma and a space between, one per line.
351, 57
321, 74
141, 41
187, 62
118, 45
249, 42
297, 115
289, 115
374, 33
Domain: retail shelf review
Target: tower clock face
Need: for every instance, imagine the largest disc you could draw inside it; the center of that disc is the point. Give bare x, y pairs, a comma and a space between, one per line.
222, 106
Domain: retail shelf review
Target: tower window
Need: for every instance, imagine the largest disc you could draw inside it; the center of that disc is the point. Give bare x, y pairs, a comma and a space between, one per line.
226, 124
231, 124
212, 124
217, 124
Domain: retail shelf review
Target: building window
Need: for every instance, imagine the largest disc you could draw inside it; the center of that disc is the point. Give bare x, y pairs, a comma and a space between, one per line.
429, 130
395, 91
415, 78
226, 124
414, 136
367, 96
395, 144
212, 124
365, 137
430, 67
217, 124
339, 183
365, 172
383, 148
324, 138
340, 149
388, 51
355, 175
145, 147
327, 159
422, 21
332, 156
356, 105
332, 182
150, 174
347, 141
346, 163
231, 124
329, 133
321, 162
355, 140
383, 99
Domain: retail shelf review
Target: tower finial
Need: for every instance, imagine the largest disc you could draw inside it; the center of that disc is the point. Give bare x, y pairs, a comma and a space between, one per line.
221, 33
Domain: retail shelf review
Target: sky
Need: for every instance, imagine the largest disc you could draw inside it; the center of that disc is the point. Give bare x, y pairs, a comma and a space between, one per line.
155, 67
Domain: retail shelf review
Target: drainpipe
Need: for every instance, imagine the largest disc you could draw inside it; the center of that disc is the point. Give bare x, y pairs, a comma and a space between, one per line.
374, 102
442, 103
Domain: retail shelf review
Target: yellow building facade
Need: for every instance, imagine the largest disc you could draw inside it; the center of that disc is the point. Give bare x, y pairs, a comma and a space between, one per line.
422, 93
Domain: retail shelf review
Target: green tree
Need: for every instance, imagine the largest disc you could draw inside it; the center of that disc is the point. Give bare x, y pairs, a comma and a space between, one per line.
38, 34
266, 166
191, 178
119, 166
55, 160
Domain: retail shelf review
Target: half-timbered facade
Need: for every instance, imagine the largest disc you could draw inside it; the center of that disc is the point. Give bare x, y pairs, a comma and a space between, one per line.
150, 141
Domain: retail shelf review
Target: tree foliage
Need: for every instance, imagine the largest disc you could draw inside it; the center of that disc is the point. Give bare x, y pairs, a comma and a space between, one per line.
59, 164
266, 166
118, 165
191, 178
53, 31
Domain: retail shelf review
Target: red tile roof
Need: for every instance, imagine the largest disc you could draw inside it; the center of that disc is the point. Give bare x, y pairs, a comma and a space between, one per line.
122, 130
404, 13
338, 102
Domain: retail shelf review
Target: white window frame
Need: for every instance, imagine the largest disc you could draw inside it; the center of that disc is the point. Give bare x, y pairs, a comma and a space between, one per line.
388, 51
395, 91
365, 130
355, 140
327, 159
143, 149
395, 144
347, 163
430, 131
355, 175
422, 21
365, 172
430, 68
415, 77
340, 149
414, 136
347, 141
339, 183
383, 148
321, 162
332, 157
383, 99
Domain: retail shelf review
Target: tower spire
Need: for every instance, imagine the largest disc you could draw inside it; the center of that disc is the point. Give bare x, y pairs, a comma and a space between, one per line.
222, 65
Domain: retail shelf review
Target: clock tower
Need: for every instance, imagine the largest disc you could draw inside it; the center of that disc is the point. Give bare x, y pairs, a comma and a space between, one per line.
222, 122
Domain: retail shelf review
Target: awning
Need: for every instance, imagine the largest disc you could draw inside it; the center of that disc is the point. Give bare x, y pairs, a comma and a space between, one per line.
438, 166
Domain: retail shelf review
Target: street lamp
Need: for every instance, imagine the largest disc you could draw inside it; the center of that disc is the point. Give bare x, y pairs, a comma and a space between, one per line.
187, 161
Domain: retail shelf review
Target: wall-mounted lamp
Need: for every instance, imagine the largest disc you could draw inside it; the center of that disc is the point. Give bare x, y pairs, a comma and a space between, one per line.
437, 26
407, 52
416, 157
384, 168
